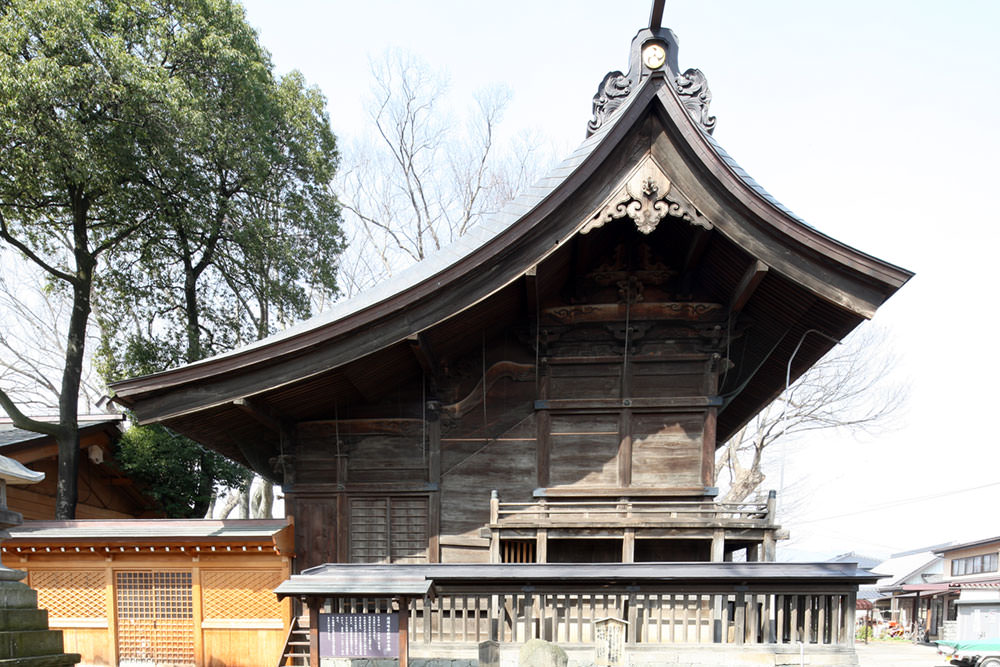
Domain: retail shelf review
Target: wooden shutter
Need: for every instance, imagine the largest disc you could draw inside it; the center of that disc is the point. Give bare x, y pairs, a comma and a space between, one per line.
388, 530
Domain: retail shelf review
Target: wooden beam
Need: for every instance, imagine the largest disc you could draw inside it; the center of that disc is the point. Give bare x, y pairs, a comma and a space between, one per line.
424, 354
747, 285
374, 425
262, 413
531, 292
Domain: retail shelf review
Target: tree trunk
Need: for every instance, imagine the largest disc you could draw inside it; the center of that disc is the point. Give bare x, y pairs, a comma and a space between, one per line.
191, 315
205, 485
68, 439
266, 499
245, 500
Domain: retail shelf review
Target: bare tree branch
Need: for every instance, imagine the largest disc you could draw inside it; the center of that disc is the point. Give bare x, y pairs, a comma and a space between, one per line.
850, 390
423, 177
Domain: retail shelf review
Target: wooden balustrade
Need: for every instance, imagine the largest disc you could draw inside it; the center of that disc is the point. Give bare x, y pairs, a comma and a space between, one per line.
626, 512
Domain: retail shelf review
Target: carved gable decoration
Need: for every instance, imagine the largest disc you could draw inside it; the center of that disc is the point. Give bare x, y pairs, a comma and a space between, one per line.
611, 94
646, 196
653, 51
692, 88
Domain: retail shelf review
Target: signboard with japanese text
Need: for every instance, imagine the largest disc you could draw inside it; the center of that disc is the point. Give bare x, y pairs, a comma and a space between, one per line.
359, 635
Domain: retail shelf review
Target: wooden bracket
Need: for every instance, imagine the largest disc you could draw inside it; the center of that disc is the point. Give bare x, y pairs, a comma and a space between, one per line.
424, 355
263, 414
747, 285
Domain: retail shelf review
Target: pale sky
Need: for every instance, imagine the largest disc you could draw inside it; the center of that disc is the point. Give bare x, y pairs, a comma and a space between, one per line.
875, 121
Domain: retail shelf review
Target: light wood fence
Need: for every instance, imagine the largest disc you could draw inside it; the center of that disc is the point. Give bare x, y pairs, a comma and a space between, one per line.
567, 617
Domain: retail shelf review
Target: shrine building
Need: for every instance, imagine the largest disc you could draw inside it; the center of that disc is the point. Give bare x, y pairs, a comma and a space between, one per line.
516, 436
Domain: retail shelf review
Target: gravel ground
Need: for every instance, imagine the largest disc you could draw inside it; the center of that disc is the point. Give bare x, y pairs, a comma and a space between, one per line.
901, 654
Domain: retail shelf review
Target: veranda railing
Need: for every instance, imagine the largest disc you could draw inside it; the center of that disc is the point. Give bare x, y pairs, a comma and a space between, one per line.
626, 512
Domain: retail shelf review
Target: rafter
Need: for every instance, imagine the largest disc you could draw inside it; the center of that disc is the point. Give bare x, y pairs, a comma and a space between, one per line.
747, 285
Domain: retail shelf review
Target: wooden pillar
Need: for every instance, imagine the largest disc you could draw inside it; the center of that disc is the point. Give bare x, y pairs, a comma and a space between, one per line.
404, 631
494, 530
718, 545
628, 545
434, 478
708, 448
625, 447
740, 617
543, 428
196, 610
542, 546
753, 553
769, 547
314, 605
110, 603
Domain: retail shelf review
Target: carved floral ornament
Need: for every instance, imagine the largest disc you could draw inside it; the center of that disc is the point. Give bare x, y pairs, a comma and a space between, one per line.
646, 197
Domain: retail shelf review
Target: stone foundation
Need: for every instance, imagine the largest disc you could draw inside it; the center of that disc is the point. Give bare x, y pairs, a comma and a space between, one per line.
672, 655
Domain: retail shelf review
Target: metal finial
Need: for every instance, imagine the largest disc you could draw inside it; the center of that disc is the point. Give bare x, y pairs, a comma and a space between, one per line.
656, 15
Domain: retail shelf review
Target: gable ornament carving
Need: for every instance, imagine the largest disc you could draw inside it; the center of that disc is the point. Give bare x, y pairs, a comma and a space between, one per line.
692, 89
646, 196
611, 94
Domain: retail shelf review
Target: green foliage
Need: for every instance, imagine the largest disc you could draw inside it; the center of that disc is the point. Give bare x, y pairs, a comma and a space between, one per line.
251, 228
178, 473
151, 161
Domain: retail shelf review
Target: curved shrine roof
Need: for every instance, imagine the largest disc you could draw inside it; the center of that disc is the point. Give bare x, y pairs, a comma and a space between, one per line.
659, 125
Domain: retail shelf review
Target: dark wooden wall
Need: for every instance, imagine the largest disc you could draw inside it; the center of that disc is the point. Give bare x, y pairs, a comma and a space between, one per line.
601, 385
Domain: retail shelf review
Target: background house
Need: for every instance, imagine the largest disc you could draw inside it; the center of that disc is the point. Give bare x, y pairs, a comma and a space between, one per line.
104, 492
911, 593
970, 570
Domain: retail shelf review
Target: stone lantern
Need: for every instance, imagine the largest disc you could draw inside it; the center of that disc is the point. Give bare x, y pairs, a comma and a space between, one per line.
25, 637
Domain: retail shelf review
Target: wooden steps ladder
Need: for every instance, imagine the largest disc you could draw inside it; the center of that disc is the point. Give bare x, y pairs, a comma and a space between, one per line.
296, 652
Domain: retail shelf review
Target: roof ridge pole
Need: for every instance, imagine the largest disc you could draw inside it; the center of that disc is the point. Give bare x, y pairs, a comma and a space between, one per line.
656, 15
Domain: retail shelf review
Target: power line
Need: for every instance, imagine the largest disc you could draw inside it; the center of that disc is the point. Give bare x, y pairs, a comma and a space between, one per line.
897, 503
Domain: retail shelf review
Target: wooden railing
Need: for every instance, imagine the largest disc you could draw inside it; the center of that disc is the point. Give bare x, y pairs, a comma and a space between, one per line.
559, 513
567, 617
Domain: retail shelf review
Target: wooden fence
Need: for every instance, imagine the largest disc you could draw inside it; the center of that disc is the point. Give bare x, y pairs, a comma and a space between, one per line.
567, 617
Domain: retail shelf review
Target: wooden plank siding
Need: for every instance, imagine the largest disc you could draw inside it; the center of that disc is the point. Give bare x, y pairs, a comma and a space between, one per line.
589, 420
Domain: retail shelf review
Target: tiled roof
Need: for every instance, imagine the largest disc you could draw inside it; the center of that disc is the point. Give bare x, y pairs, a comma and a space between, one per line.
148, 529
11, 435
346, 579
480, 234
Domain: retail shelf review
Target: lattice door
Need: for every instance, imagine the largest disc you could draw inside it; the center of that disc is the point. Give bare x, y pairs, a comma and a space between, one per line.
155, 623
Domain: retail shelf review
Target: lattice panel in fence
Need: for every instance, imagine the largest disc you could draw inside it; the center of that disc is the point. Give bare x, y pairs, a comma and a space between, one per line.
70, 593
155, 621
240, 593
